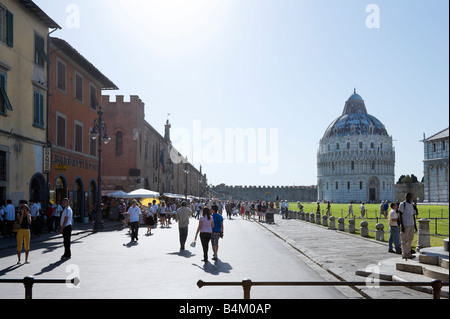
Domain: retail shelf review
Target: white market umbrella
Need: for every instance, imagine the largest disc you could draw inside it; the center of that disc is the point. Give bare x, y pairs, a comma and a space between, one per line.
142, 193
118, 194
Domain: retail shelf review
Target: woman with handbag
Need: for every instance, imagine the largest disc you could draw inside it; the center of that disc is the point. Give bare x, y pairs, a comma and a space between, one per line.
205, 226
23, 232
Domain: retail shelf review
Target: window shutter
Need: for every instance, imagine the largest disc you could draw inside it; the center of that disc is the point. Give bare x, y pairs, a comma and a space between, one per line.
9, 28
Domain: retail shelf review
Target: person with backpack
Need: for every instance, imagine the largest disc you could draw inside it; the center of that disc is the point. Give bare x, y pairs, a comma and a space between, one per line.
407, 218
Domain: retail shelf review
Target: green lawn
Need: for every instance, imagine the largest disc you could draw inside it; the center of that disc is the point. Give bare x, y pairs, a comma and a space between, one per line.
438, 216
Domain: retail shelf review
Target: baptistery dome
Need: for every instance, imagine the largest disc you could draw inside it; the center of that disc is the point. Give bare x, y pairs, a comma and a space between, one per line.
356, 157
355, 120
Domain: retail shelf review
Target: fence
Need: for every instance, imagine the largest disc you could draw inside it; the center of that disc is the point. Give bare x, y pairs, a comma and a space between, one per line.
248, 284
29, 281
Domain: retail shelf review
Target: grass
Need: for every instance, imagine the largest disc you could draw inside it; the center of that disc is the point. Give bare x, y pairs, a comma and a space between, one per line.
437, 214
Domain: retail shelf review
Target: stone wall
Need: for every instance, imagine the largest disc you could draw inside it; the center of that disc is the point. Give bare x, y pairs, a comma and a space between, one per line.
268, 193
417, 189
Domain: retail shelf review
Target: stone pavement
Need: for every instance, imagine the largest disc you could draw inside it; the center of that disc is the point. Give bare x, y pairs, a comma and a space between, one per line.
346, 257
350, 257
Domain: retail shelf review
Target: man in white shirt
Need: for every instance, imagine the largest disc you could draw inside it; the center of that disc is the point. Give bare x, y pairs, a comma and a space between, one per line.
407, 218
66, 228
394, 234
9, 216
35, 222
134, 214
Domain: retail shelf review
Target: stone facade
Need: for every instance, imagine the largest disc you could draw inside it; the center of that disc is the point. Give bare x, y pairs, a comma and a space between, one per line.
356, 158
268, 193
436, 167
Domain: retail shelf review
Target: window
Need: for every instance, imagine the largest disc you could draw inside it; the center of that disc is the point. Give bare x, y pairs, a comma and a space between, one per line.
360, 144
3, 166
4, 100
337, 146
40, 57
443, 145
337, 185
38, 109
348, 145
372, 145
348, 185
61, 75
434, 147
92, 146
353, 165
78, 87
119, 141
6, 27
93, 97
78, 137
360, 185
60, 130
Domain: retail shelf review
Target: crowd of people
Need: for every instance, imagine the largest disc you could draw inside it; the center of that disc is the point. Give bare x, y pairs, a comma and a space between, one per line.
29, 218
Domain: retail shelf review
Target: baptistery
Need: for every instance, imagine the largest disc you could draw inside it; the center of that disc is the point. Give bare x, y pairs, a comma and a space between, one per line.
356, 157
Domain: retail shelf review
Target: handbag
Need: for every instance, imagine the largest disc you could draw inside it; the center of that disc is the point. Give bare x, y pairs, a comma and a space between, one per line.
16, 226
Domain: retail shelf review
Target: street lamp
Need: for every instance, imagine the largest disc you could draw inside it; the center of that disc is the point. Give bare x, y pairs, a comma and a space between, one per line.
186, 171
99, 132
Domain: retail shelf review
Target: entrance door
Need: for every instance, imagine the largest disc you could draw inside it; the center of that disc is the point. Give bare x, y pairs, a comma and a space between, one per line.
372, 194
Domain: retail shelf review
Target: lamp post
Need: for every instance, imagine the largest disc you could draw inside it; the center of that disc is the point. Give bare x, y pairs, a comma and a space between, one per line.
186, 171
99, 131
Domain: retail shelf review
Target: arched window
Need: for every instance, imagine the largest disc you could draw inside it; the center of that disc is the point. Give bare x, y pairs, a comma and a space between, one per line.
353, 165
119, 143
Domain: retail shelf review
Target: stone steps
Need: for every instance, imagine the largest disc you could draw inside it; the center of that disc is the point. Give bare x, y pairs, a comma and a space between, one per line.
432, 262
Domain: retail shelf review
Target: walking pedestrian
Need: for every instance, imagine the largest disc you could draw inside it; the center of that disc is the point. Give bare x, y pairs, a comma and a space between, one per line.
182, 217
362, 209
162, 214
23, 233
328, 208
350, 210
217, 231
66, 228
134, 215
205, 226
394, 233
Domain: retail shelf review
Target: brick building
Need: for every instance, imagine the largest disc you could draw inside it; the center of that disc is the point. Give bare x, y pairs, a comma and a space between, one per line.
75, 88
138, 156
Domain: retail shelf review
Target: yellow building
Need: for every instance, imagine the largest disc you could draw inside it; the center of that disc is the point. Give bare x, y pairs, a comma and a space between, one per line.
24, 30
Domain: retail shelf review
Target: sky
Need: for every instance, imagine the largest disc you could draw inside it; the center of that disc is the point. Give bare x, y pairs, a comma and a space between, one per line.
274, 74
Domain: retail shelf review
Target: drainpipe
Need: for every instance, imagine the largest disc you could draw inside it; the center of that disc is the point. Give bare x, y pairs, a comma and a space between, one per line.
47, 133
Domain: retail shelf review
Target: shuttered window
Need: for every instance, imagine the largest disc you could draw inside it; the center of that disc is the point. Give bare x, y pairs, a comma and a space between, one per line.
38, 109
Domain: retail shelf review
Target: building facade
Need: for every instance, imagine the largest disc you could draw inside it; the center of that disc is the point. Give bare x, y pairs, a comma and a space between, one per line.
356, 158
436, 167
140, 157
24, 62
75, 89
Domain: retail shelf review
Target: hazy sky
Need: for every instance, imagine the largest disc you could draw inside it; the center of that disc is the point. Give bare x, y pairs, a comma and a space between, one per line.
279, 71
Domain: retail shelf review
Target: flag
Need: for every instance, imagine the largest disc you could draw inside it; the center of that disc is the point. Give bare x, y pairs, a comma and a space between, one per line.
161, 161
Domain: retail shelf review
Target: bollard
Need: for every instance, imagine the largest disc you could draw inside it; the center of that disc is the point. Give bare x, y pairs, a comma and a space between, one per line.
332, 223
318, 220
325, 220
379, 233
341, 224
302, 215
364, 229
423, 235
28, 282
312, 218
351, 226
307, 217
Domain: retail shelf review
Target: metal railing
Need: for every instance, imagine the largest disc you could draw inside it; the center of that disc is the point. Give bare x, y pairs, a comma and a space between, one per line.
29, 281
248, 284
